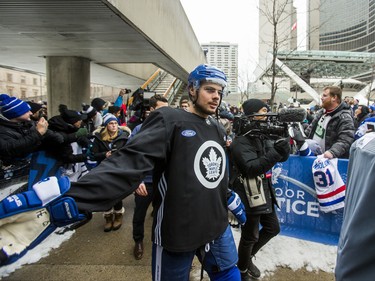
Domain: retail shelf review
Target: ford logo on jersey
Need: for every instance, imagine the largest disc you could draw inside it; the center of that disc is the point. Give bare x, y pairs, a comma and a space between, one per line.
188, 133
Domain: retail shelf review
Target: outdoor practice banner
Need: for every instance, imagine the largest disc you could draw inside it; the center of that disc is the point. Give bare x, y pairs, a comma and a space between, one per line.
299, 212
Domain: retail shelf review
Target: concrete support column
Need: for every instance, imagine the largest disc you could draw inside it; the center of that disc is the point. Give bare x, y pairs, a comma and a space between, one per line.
68, 82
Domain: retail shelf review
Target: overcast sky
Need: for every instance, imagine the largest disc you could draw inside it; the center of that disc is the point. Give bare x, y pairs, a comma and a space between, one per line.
235, 21
227, 21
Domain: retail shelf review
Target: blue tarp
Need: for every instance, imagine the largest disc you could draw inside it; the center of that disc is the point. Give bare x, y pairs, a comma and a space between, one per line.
299, 212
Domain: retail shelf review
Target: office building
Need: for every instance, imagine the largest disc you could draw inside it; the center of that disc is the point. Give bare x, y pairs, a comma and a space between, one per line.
347, 25
224, 55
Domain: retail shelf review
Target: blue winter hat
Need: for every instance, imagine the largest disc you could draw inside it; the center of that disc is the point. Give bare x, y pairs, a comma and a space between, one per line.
11, 107
108, 118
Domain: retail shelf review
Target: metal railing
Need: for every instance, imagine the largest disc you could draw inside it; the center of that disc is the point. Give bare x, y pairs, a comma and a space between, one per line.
172, 92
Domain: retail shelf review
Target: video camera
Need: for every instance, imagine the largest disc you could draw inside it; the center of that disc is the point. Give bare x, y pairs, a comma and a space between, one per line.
272, 126
146, 98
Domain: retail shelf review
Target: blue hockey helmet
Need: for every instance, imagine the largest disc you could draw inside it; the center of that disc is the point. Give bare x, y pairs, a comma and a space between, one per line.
206, 73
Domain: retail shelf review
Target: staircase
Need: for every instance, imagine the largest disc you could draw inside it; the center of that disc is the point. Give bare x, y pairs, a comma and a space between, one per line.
168, 86
176, 98
164, 82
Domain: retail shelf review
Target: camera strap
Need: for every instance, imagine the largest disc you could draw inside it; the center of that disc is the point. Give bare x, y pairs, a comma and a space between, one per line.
254, 190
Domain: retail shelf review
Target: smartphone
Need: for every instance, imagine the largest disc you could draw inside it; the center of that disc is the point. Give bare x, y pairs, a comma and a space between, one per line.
40, 114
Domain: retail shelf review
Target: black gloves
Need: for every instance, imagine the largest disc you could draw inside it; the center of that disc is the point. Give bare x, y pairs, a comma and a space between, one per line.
83, 141
53, 138
282, 146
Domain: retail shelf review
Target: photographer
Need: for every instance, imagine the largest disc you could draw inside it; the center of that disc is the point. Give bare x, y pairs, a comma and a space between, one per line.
19, 135
37, 110
253, 156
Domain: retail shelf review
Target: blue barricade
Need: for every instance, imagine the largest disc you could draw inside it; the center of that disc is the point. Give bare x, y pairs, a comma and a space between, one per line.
299, 213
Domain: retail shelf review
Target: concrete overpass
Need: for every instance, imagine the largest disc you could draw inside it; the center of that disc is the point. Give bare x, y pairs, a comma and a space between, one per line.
117, 43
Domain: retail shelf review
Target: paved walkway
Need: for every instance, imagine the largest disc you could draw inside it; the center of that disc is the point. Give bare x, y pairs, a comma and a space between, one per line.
93, 255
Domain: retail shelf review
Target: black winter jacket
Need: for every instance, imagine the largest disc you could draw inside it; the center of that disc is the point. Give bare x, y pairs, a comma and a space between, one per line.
18, 140
339, 132
99, 148
254, 157
64, 152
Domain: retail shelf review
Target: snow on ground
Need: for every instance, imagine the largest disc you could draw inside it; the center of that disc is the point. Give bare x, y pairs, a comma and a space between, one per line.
42, 250
290, 252
280, 251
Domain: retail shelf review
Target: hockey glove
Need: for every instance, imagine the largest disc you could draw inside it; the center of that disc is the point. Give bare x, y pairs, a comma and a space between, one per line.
314, 147
27, 218
237, 215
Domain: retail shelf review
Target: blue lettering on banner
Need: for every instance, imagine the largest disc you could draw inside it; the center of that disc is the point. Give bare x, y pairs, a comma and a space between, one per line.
299, 213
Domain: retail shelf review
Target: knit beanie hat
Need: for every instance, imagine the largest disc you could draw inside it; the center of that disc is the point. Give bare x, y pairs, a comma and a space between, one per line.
113, 109
108, 118
11, 107
34, 106
252, 106
364, 111
98, 104
69, 116
88, 110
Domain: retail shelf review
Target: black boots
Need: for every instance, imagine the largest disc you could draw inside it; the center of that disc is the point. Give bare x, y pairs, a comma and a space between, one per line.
245, 276
138, 250
252, 270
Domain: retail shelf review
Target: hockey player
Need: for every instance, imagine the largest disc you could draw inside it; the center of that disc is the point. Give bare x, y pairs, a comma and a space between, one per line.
191, 202
186, 152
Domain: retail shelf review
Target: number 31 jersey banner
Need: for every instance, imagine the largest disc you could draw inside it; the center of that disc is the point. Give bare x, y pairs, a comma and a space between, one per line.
310, 192
329, 186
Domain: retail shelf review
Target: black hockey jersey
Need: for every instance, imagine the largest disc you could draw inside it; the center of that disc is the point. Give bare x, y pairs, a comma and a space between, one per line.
188, 153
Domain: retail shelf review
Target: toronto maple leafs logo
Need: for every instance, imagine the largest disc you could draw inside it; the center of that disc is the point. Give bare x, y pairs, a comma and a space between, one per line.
210, 164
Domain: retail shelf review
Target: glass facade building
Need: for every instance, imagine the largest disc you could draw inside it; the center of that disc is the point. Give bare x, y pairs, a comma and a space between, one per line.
347, 25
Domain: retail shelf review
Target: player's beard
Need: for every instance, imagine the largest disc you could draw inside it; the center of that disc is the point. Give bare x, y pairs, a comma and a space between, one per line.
201, 110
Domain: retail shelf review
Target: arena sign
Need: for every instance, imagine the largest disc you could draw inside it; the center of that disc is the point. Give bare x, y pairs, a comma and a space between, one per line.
299, 212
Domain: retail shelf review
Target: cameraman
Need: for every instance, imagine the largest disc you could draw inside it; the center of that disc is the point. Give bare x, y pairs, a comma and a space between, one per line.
253, 156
